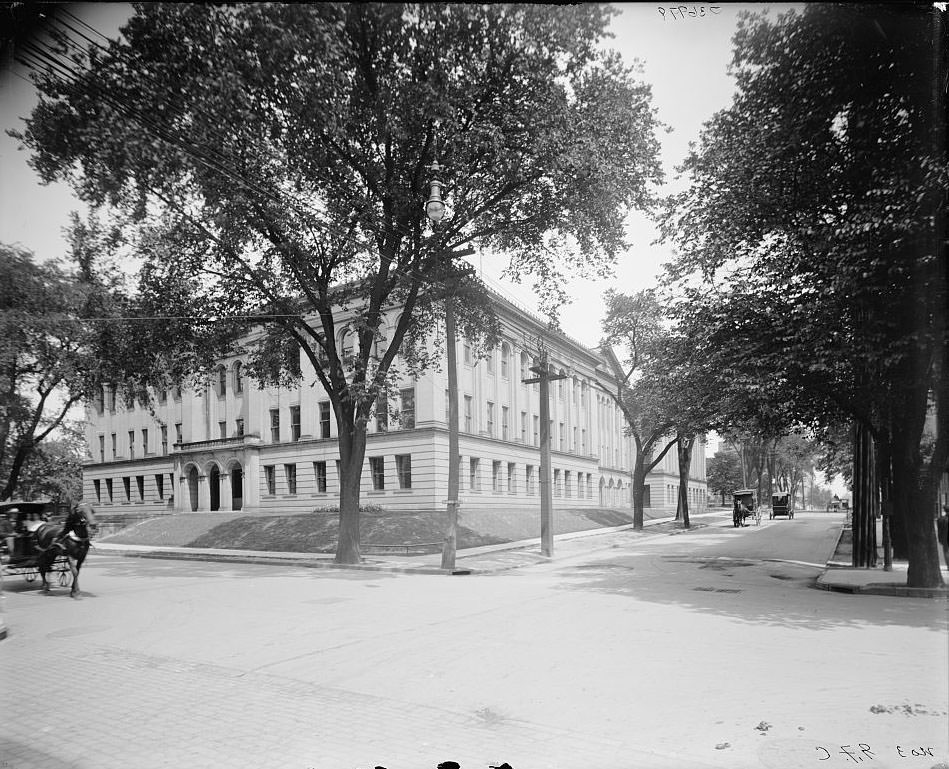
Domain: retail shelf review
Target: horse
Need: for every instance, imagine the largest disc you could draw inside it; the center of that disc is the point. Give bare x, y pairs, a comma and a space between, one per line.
81, 520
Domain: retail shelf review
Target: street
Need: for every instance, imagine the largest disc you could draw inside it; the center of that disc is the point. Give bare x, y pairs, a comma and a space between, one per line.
706, 648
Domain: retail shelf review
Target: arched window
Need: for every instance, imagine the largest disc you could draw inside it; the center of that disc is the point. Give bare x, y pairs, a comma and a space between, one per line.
505, 359
525, 365
238, 377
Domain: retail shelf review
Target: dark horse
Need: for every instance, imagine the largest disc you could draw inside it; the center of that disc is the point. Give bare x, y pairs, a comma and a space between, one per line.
81, 524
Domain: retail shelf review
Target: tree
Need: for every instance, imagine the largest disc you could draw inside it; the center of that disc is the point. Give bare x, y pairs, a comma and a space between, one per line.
54, 470
281, 155
48, 360
816, 209
723, 472
633, 324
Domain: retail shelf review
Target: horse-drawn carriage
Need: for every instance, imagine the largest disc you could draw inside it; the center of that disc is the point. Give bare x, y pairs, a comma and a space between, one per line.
31, 546
745, 505
781, 504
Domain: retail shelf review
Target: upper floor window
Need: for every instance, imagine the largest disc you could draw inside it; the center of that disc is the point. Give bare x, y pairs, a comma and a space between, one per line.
275, 425
490, 361
505, 360
324, 419
221, 381
407, 410
294, 423
346, 346
238, 377
466, 347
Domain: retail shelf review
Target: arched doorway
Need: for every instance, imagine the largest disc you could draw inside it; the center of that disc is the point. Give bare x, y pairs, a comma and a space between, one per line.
193, 487
237, 487
214, 483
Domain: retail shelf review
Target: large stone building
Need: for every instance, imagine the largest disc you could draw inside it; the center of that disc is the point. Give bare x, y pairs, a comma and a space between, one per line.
232, 446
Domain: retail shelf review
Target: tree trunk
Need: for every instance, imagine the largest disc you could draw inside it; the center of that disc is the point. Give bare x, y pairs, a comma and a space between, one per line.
352, 454
864, 502
639, 492
23, 452
684, 450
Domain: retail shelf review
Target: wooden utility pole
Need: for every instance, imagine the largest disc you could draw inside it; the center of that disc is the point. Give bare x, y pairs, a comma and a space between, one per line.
544, 378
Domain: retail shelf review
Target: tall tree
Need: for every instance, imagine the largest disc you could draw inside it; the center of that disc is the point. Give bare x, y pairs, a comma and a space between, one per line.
288, 151
633, 325
817, 204
723, 472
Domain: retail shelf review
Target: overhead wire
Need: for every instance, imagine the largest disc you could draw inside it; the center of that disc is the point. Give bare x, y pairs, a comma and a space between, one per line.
208, 156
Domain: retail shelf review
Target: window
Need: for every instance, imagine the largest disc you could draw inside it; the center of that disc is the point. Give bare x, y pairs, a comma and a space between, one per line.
238, 377
511, 479
127, 483
560, 385
100, 400
566, 482
474, 482
346, 345
290, 471
529, 477
504, 422
177, 393
164, 440
403, 467
239, 425
536, 441
160, 485
178, 433
378, 468
140, 482
112, 398
115, 452
271, 478
490, 419
466, 346
221, 381
525, 366
495, 476
523, 427
102, 448
319, 472
163, 396
467, 413
324, 419
382, 412
108, 488
222, 429
407, 411
505, 359
144, 441
294, 423
490, 361
275, 425
131, 444
97, 485
558, 492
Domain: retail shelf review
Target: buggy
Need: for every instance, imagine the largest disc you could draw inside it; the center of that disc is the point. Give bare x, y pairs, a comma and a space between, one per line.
781, 504
745, 505
18, 551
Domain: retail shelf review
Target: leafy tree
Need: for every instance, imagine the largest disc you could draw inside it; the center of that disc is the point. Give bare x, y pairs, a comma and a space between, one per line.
814, 212
723, 472
48, 358
54, 470
280, 157
633, 325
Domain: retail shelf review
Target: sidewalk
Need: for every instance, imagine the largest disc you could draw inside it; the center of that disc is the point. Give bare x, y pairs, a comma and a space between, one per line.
841, 577
489, 559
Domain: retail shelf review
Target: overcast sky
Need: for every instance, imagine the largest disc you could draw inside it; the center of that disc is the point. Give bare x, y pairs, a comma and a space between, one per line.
684, 59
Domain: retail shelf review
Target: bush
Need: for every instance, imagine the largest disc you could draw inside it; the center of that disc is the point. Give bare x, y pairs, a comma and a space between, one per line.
362, 509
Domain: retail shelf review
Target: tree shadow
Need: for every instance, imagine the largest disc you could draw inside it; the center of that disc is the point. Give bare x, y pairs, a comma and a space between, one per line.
749, 590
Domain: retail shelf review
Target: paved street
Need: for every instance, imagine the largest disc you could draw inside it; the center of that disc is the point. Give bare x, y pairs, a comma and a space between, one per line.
706, 648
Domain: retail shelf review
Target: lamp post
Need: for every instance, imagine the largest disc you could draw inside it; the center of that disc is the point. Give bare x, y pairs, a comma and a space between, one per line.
435, 211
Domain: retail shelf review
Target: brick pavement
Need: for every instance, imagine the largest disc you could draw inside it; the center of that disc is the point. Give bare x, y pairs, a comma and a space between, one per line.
125, 710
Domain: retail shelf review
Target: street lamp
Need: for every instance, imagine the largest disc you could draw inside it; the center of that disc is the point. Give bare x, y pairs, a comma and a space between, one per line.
435, 211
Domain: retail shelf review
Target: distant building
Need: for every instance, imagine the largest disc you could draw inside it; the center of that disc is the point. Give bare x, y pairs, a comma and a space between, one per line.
232, 446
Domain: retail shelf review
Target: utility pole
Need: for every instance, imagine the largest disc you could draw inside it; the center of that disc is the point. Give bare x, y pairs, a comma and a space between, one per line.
545, 377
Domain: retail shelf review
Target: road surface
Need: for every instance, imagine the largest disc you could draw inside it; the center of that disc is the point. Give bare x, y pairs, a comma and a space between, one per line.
707, 648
